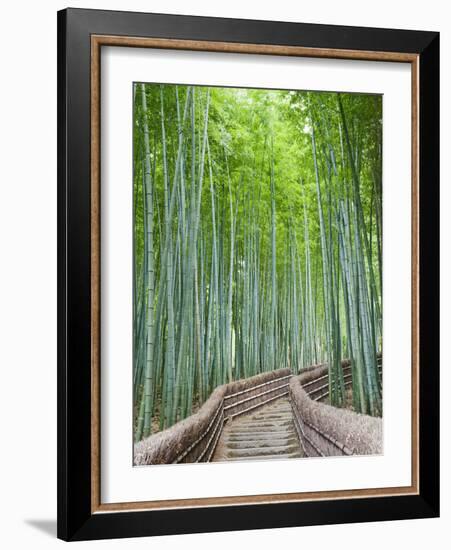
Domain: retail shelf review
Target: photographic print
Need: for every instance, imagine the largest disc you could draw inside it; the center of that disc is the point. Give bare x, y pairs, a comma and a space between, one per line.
257, 309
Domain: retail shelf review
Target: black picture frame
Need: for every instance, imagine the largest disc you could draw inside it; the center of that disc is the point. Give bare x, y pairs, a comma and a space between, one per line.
76, 521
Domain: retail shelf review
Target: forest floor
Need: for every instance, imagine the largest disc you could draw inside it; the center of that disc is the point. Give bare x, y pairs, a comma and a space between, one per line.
156, 418
348, 400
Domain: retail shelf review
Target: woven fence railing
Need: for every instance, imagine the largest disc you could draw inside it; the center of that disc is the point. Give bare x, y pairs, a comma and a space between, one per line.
316, 378
194, 439
324, 430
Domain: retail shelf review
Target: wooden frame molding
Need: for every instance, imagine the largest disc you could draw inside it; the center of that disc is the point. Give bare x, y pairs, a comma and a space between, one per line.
97, 41
260, 49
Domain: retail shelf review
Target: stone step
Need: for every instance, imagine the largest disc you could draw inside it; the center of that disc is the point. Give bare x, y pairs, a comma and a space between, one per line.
267, 433
247, 434
262, 436
268, 417
263, 424
263, 457
261, 444
260, 451
261, 428
274, 408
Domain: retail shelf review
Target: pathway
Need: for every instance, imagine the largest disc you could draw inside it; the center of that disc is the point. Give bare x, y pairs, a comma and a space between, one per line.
268, 433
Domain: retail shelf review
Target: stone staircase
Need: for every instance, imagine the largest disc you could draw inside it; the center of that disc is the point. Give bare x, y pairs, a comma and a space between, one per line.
268, 433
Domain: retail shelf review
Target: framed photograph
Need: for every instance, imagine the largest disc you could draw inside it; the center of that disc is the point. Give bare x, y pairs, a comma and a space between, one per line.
248, 274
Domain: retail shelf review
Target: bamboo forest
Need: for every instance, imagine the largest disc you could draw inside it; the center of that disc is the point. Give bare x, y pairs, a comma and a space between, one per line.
257, 244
